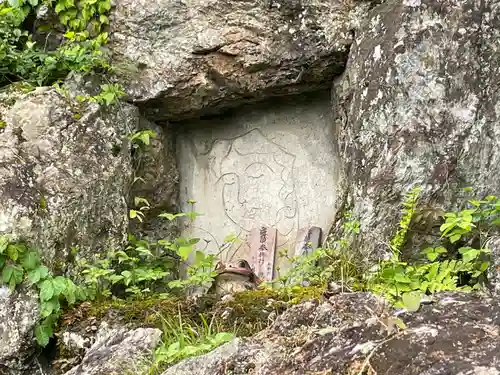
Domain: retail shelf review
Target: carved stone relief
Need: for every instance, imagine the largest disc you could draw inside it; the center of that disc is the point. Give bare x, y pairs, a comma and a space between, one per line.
273, 165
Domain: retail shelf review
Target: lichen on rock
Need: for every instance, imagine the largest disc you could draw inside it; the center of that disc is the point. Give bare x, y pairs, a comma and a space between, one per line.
64, 178
19, 313
418, 106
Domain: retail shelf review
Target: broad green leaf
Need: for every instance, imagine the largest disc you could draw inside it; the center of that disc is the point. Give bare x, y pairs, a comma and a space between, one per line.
13, 252
184, 252
49, 307
60, 6
43, 332
12, 275
46, 290
38, 274
70, 292
199, 257
402, 278
15, 3
30, 260
411, 301
4, 243
59, 284
115, 278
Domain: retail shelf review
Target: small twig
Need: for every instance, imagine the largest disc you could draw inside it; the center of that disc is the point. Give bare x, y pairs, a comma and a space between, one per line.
367, 359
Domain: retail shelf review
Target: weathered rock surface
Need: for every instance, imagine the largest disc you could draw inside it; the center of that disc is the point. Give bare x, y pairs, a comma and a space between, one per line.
418, 104
157, 180
118, 352
457, 334
63, 180
197, 57
19, 312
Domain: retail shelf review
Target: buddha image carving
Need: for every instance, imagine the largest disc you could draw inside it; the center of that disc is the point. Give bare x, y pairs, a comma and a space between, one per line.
257, 181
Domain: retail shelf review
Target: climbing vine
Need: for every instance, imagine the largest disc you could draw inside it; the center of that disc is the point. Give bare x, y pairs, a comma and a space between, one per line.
18, 264
82, 24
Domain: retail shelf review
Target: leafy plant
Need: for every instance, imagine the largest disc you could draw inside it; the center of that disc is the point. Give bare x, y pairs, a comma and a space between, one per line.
334, 261
142, 136
183, 339
21, 58
21, 264
109, 95
404, 284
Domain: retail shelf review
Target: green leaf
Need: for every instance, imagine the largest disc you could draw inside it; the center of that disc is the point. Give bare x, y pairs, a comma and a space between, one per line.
43, 332
38, 274
49, 307
2, 261
31, 260
184, 252
13, 251
169, 216
199, 257
70, 292
4, 243
46, 290
411, 301
15, 3
402, 278
12, 275
59, 285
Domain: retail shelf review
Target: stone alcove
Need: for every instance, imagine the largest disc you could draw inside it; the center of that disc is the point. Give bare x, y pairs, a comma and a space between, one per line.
270, 164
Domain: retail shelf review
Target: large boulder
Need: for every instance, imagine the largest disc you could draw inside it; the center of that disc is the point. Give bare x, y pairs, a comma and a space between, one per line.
65, 171
19, 312
355, 333
418, 105
197, 57
119, 351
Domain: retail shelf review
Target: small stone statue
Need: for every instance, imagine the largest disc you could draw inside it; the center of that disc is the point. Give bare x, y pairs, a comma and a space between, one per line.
234, 278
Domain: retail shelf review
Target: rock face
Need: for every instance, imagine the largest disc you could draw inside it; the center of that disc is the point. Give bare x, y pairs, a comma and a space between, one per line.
196, 57
272, 165
19, 312
457, 334
63, 180
120, 351
418, 104
155, 168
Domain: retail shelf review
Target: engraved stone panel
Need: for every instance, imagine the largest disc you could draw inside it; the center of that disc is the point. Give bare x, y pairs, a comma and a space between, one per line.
272, 165
263, 249
308, 239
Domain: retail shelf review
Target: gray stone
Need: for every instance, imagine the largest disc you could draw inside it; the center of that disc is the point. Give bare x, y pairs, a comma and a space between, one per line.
457, 334
273, 165
63, 180
493, 272
418, 104
197, 57
19, 313
308, 240
119, 352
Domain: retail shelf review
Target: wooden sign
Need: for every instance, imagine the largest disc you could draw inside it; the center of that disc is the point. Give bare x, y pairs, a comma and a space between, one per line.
308, 239
263, 251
